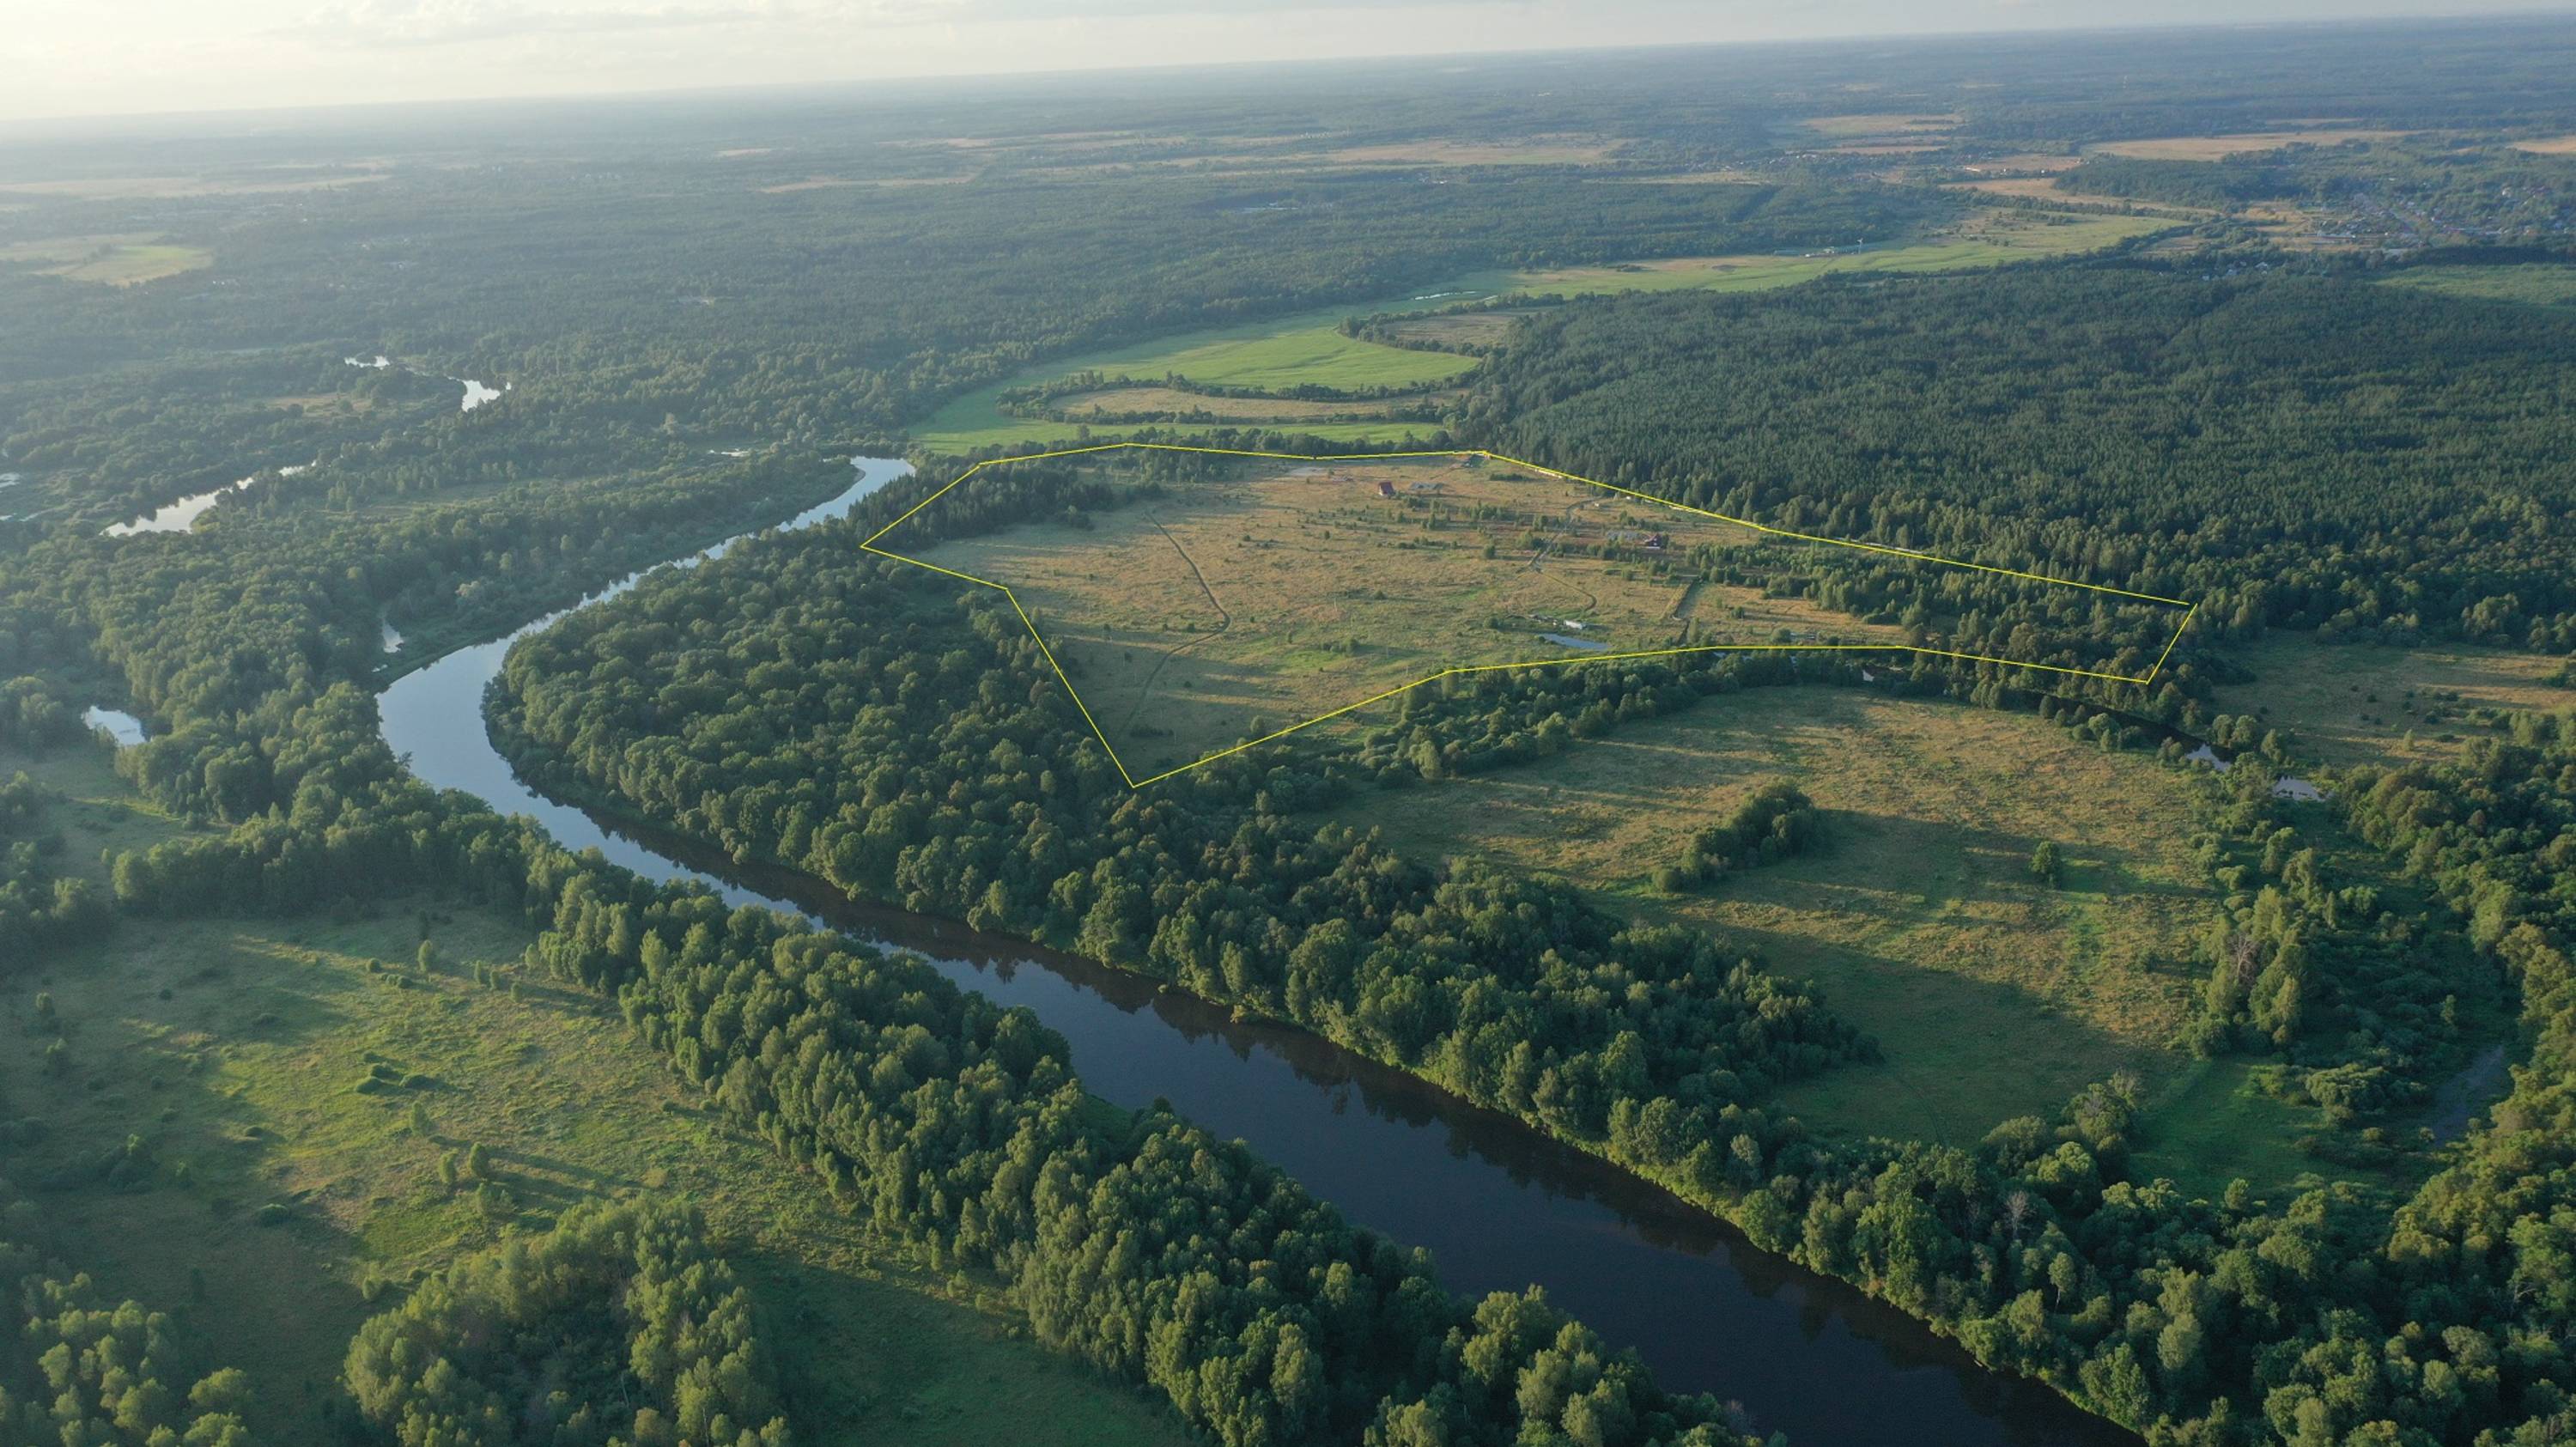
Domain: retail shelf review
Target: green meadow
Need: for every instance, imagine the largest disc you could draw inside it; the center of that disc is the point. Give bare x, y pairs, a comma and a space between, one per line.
1308, 349
320, 1068
2533, 283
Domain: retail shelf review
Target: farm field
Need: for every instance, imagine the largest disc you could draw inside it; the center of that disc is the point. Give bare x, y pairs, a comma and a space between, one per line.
1274, 355
1127, 401
1459, 328
2024, 188
1989, 241
2212, 148
1309, 348
1856, 127
232, 1049
1222, 610
1527, 151
107, 260
2359, 704
1992, 995
2535, 283
266, 181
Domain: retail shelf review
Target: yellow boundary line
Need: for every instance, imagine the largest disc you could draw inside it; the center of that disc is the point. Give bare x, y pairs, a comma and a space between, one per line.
2189, 608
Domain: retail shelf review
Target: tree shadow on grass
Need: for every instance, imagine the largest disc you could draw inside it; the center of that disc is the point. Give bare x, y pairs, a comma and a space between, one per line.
1960, 1053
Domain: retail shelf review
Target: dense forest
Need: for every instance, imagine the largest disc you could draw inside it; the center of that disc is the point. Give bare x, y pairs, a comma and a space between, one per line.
2295, 451
617, 1325
850, 751
2036, 1249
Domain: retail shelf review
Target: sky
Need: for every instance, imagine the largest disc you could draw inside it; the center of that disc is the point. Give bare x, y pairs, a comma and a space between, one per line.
121, 57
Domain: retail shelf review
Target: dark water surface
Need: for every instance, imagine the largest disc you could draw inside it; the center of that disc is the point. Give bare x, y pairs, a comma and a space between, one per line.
1499, 1205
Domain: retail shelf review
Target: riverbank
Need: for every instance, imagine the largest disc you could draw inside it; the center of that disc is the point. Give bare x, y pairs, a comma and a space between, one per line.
1804, 1353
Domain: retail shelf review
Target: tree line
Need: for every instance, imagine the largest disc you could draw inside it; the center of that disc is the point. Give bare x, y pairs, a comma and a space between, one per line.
888, 732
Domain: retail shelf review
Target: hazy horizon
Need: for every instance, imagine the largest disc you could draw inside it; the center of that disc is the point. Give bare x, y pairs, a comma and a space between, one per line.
172, 58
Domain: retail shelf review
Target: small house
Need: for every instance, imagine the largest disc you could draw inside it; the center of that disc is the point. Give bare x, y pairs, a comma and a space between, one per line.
1385, 488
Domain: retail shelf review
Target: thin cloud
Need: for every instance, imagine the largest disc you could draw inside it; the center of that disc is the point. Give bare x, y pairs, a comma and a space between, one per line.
363, 23
378, 23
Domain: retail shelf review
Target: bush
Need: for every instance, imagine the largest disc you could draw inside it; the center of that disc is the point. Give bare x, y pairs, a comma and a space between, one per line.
2046, 865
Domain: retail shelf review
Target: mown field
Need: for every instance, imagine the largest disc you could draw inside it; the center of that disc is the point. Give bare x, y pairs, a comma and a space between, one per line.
233, 1052
2363, 704
1991, 994
2212, 148
1220, 611
107, 260
1309, 348
1124, 401
1274, 355
1990, 241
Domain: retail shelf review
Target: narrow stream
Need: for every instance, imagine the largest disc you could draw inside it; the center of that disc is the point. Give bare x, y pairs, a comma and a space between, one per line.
1499, 1205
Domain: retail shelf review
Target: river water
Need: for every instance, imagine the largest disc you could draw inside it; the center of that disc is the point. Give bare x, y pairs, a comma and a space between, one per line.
1499, 1205
181, 516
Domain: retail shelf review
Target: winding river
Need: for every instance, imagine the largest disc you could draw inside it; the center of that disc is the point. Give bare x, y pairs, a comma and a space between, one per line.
1498, 1204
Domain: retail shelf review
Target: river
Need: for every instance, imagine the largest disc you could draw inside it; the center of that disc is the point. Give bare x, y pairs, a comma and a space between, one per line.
1499, 1205
181, 516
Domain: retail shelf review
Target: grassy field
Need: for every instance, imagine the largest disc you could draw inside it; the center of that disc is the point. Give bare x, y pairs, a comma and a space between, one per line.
1221, 610
1128, 401
1273, 355
1993, 240
234, 1049
1857, 127
107, 260
2023, 161
2212, 148
2024, 188
2360, 704
2537, 283
1527, 151
1287, 352
1991, 995
1471, 328
2549, 146
2208, 1125
161, 188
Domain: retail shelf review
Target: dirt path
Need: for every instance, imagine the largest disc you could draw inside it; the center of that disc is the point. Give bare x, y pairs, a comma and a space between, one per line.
1225, 620
1688, 601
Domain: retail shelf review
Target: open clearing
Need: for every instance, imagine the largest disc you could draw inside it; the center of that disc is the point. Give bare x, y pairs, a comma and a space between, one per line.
2360, 704
2026, 188
1465, 328
1204, 613
1308, 348
1172, 401
1852, 127
1992, 996
1989, 240
2212, 148
235, 1047
166, 188
2045, 162
2538, 283
107, 260
1283, 359
1250, 596
2549, 146
1531, 151
1273, 355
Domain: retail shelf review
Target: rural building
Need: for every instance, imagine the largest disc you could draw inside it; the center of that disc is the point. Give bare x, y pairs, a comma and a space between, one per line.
1385, 488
